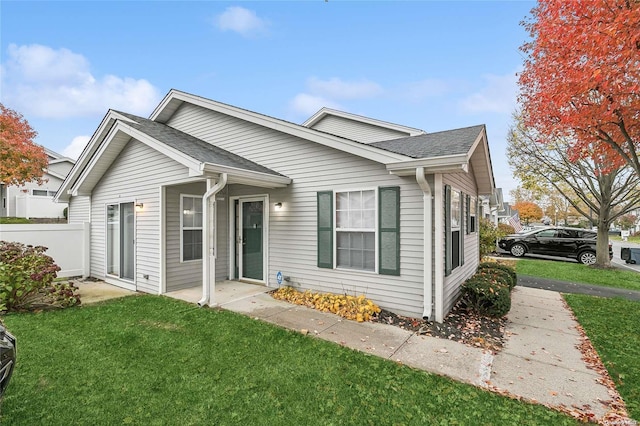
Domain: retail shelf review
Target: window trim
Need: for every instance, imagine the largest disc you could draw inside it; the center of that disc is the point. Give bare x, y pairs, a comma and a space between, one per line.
450, 229
183, 228
49, 192
363, 230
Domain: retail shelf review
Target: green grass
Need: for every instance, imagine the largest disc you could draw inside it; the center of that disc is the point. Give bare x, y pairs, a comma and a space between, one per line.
612, 325
579, 273
635, 239
149, 360
13, 220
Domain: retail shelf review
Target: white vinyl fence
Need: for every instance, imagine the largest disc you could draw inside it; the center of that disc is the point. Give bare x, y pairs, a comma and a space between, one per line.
68, 244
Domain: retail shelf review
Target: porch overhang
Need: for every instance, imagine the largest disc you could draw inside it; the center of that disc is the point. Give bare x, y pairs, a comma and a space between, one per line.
241, 176
444, 164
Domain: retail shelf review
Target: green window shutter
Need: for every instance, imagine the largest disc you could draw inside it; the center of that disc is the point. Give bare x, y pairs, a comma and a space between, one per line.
447, 230
325, 229
464, 227
468, 214
389, 230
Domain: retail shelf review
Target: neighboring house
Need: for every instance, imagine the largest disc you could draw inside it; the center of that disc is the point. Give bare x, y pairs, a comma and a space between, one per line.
36, 201
490, 204
506, 212
342, 203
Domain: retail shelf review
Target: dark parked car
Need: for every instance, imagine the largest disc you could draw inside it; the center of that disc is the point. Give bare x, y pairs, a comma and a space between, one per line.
576, 243
7, 357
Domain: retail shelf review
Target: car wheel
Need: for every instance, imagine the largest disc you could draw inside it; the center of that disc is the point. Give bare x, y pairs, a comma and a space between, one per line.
587, 257
518, 250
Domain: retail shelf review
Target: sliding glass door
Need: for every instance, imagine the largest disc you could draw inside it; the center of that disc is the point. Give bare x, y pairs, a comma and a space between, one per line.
120, 240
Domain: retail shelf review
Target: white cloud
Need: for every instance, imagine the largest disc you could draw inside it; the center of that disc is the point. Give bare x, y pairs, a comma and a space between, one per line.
240, 20
428, 88
498, 95
58, 83
328, 93
307, 105
74, 149
338, 89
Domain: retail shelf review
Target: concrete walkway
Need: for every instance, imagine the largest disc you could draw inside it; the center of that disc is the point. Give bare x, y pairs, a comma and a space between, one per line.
540, 362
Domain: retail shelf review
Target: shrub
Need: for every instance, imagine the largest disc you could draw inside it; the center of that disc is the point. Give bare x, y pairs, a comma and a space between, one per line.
489, 234
487, 296
25, 271
62, 295
498, 268
350, 307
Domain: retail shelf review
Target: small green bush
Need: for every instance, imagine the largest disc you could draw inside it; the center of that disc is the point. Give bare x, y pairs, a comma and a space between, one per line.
490, 234
487, 296
494, 267
25, 271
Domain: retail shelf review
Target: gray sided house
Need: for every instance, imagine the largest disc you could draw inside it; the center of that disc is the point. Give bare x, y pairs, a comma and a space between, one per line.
203, 191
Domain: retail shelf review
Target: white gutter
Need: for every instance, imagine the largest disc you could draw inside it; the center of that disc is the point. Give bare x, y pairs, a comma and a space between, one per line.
427, 250
209, 243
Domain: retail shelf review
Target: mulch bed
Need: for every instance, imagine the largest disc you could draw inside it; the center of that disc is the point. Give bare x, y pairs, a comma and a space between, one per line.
460, 325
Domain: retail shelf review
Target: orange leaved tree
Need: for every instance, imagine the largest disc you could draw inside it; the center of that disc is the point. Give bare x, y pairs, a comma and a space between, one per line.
581, 77
21, 160
528, 211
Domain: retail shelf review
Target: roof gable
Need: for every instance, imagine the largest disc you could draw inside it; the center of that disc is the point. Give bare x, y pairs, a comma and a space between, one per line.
170, 104
357, 127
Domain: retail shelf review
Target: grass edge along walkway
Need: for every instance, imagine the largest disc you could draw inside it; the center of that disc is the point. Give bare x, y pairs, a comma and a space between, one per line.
612, 325
152, 360
579, 273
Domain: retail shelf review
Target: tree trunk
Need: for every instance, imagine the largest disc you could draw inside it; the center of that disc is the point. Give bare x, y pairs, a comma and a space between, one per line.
602, 244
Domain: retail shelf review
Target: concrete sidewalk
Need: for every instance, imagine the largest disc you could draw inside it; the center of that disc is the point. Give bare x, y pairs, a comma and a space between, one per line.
539, 363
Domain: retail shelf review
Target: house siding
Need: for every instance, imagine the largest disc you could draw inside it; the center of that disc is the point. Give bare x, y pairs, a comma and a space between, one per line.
462, 182
356, 130
182, 275
79, 209
135, 175
292, 231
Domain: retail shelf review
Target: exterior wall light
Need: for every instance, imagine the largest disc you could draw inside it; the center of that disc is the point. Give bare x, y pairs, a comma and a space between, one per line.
278, 206
139, 206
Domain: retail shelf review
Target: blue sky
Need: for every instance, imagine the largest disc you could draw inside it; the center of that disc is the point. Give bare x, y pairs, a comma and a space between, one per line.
430, 65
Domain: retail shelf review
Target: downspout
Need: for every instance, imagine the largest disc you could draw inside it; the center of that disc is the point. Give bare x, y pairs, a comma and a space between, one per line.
209, 244
438, 217
427, 238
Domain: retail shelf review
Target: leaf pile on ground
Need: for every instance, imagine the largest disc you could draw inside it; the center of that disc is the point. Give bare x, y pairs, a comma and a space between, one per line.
357, 308
461, 325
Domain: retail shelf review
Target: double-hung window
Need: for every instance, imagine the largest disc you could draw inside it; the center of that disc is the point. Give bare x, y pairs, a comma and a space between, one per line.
455, 216
360, 230
191, 227
356, 230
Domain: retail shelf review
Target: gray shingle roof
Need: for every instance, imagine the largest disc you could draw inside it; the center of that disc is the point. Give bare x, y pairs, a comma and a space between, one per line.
449, 142
195, 148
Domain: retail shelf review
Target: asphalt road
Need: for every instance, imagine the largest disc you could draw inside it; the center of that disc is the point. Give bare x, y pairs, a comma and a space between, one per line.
578, 288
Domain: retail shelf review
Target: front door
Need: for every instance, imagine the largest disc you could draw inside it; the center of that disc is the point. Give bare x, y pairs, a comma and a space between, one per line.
250, 230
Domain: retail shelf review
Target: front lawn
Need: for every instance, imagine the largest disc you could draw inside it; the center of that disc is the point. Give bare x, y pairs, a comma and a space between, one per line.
152, 360
579, 273
612, 325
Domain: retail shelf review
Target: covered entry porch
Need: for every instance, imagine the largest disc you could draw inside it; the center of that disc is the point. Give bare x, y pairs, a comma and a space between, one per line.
217, 231
226, 291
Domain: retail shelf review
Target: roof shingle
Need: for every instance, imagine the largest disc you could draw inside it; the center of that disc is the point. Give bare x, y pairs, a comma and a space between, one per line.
449, 142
